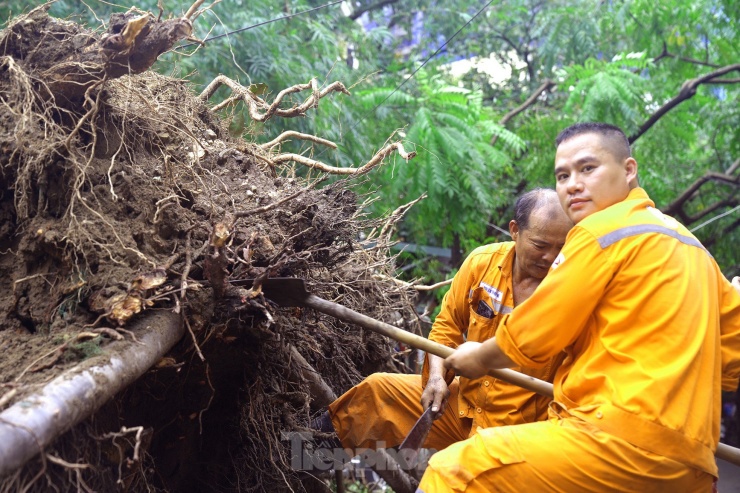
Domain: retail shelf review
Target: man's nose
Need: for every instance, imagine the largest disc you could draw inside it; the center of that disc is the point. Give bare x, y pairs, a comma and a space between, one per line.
574, 183
550, 254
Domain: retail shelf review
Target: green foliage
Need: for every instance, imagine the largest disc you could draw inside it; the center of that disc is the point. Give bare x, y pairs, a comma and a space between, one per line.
456, 166
608, 92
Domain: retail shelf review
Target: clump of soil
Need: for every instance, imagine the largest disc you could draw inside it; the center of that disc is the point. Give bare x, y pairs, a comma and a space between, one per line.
124, 192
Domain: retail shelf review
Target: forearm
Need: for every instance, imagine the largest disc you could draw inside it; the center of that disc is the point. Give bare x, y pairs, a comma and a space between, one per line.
475, 359
492, 357
436, 366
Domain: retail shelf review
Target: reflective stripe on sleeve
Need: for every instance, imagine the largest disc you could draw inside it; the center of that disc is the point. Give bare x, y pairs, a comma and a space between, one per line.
622, 233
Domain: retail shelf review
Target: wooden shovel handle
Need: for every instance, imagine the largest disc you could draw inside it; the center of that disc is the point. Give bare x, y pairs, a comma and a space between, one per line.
724, 452
343, 313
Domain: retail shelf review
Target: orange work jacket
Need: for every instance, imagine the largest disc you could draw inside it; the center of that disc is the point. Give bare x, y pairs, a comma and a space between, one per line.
480, 296
650, 325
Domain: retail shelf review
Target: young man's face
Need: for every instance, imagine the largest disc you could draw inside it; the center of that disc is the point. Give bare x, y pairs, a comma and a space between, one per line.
590, 176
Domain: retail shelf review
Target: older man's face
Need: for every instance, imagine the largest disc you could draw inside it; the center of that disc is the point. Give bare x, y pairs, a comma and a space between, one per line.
539, 244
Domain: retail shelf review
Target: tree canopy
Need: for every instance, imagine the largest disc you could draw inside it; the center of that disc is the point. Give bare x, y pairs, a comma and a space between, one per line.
666, 72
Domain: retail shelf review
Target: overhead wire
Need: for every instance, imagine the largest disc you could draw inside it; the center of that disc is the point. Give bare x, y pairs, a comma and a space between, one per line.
720, 216
438, 50
441, 47
259, 24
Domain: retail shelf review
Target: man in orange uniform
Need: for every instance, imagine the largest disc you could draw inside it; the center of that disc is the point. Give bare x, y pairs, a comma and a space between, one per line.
382, 409
651, 329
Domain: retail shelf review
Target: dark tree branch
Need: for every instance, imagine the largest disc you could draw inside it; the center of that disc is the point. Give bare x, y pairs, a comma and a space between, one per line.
688, 90
689, 193
545, 86
535, 9
509, 42
666, 54
358, 13
720, 80
732, 202
676, 207
709, 242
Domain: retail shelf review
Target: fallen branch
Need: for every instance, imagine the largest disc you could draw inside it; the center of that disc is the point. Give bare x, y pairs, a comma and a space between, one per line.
722, 80
38, 419
376, 160
255, 104
731, 202
196, 5
321, 394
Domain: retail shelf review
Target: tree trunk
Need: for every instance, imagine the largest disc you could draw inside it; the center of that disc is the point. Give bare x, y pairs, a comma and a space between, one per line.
456, 256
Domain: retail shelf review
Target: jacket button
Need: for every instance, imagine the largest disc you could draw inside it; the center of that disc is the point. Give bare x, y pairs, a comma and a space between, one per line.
462, 413
486, 383
599, 415
478, 410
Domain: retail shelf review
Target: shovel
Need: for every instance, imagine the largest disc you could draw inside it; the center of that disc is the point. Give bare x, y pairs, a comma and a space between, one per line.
291, 291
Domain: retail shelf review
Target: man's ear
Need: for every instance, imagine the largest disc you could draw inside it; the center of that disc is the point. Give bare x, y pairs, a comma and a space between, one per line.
630, 166
513, 229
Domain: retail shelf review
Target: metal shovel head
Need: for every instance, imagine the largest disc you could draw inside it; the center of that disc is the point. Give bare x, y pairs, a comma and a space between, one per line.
409, 448
285, 291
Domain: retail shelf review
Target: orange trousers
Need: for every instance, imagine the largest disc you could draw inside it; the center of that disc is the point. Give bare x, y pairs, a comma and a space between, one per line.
381, 410
564, 455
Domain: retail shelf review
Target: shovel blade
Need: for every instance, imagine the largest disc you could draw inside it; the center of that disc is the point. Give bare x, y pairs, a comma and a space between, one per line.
409, 449
284, 291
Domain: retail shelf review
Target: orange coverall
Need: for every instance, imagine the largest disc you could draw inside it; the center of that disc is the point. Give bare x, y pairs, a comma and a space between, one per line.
385, 406
652, 332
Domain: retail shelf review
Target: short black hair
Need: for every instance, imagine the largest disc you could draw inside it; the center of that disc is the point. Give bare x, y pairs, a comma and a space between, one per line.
530, 201
611, 132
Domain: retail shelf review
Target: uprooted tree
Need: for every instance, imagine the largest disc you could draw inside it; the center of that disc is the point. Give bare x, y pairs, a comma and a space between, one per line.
127, 213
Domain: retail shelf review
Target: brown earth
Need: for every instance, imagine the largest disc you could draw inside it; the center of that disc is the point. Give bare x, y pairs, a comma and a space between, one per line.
123, 192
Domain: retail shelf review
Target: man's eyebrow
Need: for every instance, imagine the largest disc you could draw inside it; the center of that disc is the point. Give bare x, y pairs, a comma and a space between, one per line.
585, 159
580, 162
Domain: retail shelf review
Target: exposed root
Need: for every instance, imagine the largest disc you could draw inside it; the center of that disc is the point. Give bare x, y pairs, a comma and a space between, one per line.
123, 460
296, 135
395, 216
73, 468
375, 161
255, 104
417, 287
